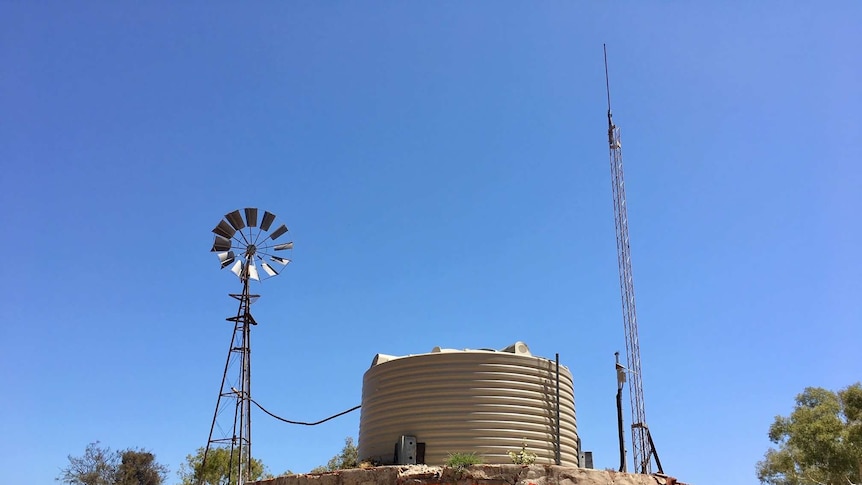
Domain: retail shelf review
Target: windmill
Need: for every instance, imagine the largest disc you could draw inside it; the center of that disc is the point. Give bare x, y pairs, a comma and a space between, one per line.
242, 242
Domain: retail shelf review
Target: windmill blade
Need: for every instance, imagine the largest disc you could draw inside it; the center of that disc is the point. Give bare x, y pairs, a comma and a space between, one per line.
221, 244
278, 232
251, 216
226, 258
237, 268
252, 271
282, 247
224, 229
269, 269
235, 220
268, 219
282, 261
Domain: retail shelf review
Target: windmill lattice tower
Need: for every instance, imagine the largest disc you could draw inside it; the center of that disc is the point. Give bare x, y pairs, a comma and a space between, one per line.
242, 242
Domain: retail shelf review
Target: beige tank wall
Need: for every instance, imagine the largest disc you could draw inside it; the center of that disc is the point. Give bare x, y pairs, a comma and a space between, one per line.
467, 401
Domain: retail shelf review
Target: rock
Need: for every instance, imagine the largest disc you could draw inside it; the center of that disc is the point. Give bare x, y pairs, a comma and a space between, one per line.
473, 475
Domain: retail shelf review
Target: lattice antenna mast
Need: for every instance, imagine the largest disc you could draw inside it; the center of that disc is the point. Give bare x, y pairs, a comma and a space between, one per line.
641, 446
254, 243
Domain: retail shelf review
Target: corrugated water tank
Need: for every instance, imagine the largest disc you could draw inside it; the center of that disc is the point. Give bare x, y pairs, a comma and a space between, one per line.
483, 401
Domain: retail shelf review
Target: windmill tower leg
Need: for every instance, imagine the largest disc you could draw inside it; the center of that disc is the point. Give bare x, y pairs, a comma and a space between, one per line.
239, 438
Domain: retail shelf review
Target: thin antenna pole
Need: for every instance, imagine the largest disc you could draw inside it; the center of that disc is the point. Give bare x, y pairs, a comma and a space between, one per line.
607, 80
613, 133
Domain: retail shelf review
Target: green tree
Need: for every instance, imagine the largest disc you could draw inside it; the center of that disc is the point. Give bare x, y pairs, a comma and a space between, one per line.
139, 467
820, 443
218, 468
348, 458
101, 466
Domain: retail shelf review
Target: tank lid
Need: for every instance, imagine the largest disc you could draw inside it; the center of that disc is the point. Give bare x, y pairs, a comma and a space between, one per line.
517, 348
381, 358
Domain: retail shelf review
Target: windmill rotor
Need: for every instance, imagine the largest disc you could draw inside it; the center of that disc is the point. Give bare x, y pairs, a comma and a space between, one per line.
242, 242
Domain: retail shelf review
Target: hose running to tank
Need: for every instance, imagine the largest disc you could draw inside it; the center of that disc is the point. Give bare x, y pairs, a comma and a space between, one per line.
342, 413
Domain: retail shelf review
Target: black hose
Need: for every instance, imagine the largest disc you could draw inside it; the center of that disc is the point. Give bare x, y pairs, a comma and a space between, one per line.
302, 422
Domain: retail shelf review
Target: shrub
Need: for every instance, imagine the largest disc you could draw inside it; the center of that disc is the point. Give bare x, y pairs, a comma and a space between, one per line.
348, 458
460, 460
522, 457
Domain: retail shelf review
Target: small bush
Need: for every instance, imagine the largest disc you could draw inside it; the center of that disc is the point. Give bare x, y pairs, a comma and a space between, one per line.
522, 457
459, 461
348, 458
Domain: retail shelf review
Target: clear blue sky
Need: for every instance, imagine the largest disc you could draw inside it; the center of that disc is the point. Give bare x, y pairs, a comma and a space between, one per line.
443, 168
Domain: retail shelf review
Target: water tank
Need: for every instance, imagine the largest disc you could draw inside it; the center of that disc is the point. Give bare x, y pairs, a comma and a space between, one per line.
484, 401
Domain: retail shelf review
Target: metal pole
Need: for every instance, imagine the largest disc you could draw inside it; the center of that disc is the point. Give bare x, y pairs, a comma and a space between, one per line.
621, 379
244, 444
654, 453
